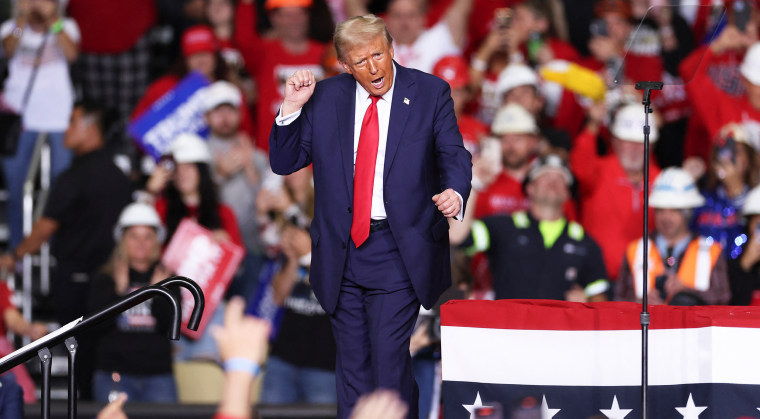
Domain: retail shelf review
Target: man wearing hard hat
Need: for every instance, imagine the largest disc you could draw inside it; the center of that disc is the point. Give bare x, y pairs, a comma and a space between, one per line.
684, 268
537, 253
518, 136
612, 186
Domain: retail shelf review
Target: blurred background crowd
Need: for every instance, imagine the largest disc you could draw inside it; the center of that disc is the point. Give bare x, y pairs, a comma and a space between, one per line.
544, 95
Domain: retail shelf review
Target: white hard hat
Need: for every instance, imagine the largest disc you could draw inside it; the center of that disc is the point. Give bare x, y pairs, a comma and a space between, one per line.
629, 124
674, 188
513, 119
550, 163
190, 148
752, 202
139, 214
750, 67
515, 75
221, 93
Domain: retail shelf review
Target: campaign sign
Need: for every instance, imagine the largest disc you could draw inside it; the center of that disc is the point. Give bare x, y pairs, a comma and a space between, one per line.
178, 111
194, 253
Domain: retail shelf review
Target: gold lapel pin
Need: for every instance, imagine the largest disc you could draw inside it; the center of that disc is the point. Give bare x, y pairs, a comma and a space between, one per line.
406, 100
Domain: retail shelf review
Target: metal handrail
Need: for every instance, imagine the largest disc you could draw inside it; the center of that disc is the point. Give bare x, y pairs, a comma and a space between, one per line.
67, 333
40, 163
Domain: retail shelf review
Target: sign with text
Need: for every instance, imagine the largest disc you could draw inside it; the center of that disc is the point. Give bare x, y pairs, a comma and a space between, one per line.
178, 111
194, 253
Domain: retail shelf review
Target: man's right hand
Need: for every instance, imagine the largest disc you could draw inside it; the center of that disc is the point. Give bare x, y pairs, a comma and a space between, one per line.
298, 89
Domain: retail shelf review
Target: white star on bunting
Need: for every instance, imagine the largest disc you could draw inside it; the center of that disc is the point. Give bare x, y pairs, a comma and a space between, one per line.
690, 411
547, 413
615, 412
471, 407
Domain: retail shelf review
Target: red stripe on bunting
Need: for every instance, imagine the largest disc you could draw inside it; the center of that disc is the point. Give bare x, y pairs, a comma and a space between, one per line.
562, 315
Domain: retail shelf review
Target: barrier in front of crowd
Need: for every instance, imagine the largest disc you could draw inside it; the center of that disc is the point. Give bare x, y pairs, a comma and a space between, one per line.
67, 333
529, 357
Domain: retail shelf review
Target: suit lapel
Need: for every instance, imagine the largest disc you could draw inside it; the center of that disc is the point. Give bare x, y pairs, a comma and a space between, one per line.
345, 104
403, 97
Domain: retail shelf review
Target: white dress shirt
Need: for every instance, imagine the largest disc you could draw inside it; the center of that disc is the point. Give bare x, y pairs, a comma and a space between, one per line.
383, 118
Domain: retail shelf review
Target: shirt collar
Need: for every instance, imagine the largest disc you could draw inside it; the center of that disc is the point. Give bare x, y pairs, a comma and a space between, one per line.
362, 94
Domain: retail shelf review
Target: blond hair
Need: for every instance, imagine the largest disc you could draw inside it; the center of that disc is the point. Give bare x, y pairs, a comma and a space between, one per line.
359, 30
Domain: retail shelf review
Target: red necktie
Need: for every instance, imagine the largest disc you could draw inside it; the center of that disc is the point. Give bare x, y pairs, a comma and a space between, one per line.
364, 173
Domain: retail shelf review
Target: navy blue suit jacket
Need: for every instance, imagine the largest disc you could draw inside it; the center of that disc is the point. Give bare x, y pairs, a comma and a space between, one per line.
424, 156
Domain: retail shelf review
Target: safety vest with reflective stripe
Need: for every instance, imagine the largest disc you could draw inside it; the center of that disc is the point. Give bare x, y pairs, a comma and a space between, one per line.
694, 271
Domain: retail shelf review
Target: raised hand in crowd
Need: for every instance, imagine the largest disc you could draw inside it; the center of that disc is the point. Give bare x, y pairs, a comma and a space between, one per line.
295, 243
269, 200
242, 343
159, 179
731, 38
114, 409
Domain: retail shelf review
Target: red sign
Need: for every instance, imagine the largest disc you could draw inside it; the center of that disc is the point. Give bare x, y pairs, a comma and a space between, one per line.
194, 253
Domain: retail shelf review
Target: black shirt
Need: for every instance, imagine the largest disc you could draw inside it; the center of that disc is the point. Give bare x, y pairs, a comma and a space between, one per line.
522, 267
86, 201
305, 335
136, 341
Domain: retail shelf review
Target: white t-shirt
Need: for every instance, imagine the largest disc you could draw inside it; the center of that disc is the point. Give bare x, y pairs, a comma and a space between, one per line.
434, 44
52, 96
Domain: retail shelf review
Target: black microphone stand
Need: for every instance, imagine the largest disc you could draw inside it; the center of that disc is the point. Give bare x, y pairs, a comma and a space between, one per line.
647, 87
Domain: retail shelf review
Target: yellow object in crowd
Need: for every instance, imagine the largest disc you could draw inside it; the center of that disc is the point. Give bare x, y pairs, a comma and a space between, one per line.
575, 78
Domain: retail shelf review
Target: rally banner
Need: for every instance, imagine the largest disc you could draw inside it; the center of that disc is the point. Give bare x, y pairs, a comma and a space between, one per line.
194, 253
178, 111
555, 359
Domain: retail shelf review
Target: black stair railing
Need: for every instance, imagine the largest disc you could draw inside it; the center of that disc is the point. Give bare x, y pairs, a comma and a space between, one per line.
67, 333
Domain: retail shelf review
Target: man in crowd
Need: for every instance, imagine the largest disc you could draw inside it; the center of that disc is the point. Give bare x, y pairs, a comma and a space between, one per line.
384, 145
538, 253
271, 60
238, 169
683, 268
82, 208
612, 186
517, 135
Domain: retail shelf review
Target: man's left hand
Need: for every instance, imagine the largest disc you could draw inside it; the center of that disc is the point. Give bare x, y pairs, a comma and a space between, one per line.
448, 203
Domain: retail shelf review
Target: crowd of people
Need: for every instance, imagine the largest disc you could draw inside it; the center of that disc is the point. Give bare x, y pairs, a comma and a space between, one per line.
544, 96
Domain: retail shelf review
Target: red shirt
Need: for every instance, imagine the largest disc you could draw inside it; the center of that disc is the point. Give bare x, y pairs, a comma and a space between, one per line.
270, 65
159, 87
713, 106
103, 26
611, 206
227, 217
504, 196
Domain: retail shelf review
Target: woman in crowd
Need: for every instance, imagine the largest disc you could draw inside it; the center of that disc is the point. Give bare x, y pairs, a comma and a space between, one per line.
188, 191
732, 174
185, 189
37, 41
133, 355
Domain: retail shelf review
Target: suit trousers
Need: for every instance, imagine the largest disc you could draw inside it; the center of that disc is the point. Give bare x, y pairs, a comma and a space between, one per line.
372, 324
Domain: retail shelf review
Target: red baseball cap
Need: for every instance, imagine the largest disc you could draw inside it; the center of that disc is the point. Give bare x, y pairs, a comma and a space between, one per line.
197, 39
454, 70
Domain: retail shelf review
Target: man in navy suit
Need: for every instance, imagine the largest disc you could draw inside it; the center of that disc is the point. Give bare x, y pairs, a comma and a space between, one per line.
389, 169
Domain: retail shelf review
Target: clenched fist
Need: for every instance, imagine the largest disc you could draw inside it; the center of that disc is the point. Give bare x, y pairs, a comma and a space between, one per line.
298, 89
